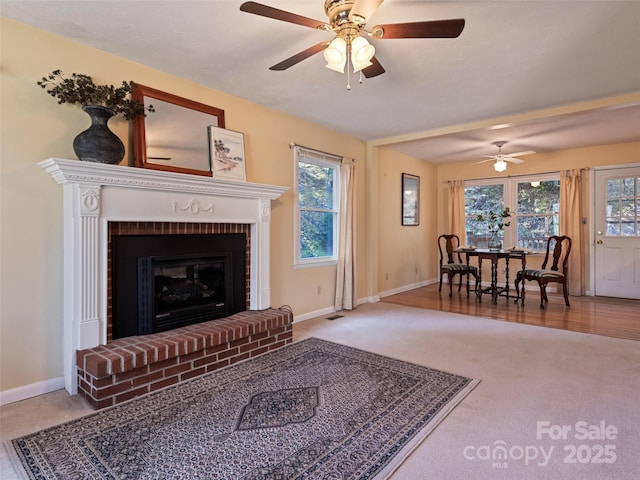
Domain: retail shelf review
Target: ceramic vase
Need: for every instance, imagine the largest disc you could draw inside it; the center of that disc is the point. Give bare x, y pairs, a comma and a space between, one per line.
98, 143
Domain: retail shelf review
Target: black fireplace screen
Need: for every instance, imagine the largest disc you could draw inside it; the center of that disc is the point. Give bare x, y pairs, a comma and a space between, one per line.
173, 292
187, 284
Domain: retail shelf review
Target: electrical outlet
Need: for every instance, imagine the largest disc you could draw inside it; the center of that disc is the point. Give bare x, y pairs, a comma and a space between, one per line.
319, 290
386, 276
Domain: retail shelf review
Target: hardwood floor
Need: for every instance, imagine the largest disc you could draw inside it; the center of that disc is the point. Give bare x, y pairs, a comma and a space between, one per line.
612, 317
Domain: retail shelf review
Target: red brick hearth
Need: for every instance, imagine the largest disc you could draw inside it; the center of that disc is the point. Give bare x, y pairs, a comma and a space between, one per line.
129, 367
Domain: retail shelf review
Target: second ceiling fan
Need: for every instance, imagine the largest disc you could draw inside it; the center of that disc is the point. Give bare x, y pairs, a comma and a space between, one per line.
347, 20
501, 159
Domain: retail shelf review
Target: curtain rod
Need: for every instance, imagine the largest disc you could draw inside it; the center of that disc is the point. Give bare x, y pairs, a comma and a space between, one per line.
515, 176
293, 144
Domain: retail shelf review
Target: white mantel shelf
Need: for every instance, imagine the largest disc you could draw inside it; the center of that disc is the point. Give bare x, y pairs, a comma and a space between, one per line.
95, 194
74, 171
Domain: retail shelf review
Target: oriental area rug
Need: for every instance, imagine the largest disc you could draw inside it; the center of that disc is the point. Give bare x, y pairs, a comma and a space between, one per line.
313, 410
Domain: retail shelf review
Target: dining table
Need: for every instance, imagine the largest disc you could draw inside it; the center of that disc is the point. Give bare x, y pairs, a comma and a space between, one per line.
495, 256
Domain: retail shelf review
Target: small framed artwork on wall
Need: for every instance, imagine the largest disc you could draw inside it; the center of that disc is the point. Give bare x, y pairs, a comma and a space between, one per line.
227, 154
410, 199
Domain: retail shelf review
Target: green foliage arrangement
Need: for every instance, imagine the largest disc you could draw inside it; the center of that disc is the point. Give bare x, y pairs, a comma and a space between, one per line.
496, 220
79, 88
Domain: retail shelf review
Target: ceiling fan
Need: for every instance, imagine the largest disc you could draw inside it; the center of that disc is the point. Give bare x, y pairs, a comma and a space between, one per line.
347, 20
501, 159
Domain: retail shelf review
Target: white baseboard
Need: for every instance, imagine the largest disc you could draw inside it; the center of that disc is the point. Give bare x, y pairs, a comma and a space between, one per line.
330, 310
31, 390
406, 288
314, 314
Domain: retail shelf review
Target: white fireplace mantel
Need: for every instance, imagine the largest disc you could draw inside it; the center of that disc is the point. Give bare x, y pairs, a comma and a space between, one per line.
95, 194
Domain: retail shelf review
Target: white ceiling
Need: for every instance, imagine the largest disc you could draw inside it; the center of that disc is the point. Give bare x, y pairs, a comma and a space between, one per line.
440, 99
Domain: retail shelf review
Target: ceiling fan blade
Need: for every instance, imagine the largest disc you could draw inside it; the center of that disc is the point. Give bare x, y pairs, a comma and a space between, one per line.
277, 14
363, 9
484, 161
511, 159
427, 29
519, 154
298, 57
373, 70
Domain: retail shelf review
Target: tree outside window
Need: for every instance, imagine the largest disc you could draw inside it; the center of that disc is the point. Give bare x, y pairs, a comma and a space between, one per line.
623, 207
537, 215
479, 200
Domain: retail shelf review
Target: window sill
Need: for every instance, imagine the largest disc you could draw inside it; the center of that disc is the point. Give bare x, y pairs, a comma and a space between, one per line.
320, 263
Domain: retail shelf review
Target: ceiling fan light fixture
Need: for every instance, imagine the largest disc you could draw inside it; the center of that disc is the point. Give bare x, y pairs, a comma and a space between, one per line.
336, 54
500, 165
361, 53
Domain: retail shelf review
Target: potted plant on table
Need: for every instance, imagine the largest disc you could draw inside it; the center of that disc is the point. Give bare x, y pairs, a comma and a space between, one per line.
100, 102
496, 222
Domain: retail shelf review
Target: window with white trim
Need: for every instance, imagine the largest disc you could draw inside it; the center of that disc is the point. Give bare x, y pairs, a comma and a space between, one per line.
534, 204
317, 191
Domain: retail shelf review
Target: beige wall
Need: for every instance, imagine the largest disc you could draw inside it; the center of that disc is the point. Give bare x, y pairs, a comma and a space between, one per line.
405, 254
35, 127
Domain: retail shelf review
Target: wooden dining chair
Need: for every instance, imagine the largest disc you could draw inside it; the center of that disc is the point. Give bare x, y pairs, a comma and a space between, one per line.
451, 263
559, 247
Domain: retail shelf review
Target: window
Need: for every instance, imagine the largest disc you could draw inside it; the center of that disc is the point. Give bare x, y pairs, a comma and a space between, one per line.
316, 210
534, 203
537, 214
623, 207
479, 198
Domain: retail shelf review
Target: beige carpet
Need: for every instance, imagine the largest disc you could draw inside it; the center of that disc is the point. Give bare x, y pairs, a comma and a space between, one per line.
528, 374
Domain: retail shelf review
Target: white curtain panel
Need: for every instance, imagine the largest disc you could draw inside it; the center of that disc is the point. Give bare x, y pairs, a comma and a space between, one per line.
346, 271
571, 225
457, 219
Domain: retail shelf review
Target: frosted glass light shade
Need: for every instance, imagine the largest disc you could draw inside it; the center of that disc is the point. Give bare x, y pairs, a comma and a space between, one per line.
500, 166
361, 53
336, 54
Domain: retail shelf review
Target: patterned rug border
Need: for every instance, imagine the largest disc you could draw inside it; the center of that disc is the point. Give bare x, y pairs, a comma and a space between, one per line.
390, 466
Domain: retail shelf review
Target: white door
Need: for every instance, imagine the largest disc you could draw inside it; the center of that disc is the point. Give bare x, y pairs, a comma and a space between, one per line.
617, 232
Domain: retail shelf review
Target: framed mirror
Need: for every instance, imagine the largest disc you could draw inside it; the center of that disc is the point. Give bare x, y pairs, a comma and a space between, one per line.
175, 137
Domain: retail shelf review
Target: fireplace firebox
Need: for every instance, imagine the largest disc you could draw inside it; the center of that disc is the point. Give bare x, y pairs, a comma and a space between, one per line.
162, 282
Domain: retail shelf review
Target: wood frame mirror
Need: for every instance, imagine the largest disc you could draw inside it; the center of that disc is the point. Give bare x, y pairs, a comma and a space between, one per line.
175, 137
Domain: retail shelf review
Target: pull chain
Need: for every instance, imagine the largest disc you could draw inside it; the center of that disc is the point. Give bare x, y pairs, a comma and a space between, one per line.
348, 64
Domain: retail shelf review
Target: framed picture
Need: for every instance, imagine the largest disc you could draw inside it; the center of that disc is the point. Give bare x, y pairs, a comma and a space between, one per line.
410, 199
227, 154
174, 137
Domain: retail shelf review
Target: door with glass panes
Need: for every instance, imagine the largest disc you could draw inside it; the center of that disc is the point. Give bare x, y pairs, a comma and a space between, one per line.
617, 232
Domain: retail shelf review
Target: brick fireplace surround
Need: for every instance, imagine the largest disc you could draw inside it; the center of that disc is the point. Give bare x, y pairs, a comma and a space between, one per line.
107, 372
